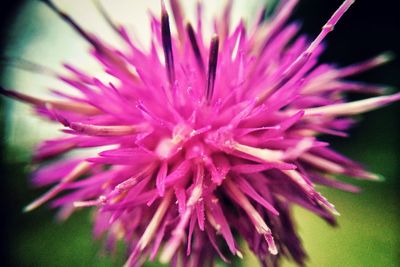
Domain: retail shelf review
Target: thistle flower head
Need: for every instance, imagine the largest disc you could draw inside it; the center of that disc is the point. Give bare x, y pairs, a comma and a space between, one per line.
203, 142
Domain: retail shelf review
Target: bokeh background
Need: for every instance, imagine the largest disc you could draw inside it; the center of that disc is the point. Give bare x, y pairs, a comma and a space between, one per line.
369, 225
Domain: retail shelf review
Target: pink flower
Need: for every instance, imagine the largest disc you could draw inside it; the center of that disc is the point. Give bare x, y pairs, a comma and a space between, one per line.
211, 142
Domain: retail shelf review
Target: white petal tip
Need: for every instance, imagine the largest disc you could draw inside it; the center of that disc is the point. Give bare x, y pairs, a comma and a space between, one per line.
386, 57
335, 212
273, 250
239, 254
30, 207
377, 177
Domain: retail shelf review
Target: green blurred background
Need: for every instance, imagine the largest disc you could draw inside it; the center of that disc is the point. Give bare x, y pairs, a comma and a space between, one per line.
369, 228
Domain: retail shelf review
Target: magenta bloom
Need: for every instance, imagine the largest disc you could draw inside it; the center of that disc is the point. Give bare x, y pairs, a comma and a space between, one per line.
203, 143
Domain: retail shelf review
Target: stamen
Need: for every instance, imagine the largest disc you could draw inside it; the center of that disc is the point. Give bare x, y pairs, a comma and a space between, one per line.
352, 108
107, 130
22, 97
262, 15
303, 58
105, 15
322, 163
329, 26
178, 233
57, 104
74, 24
26, 65
255, 217
178, 17
366, 65
264, 154
117, 61
160, 181
79, 170
212, 67
309, 189
224, 23
167, 45
195, 47
90, 203
278, 22
151, 229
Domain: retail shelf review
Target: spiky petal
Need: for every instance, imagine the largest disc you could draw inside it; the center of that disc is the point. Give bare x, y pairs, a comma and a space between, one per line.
193, 155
